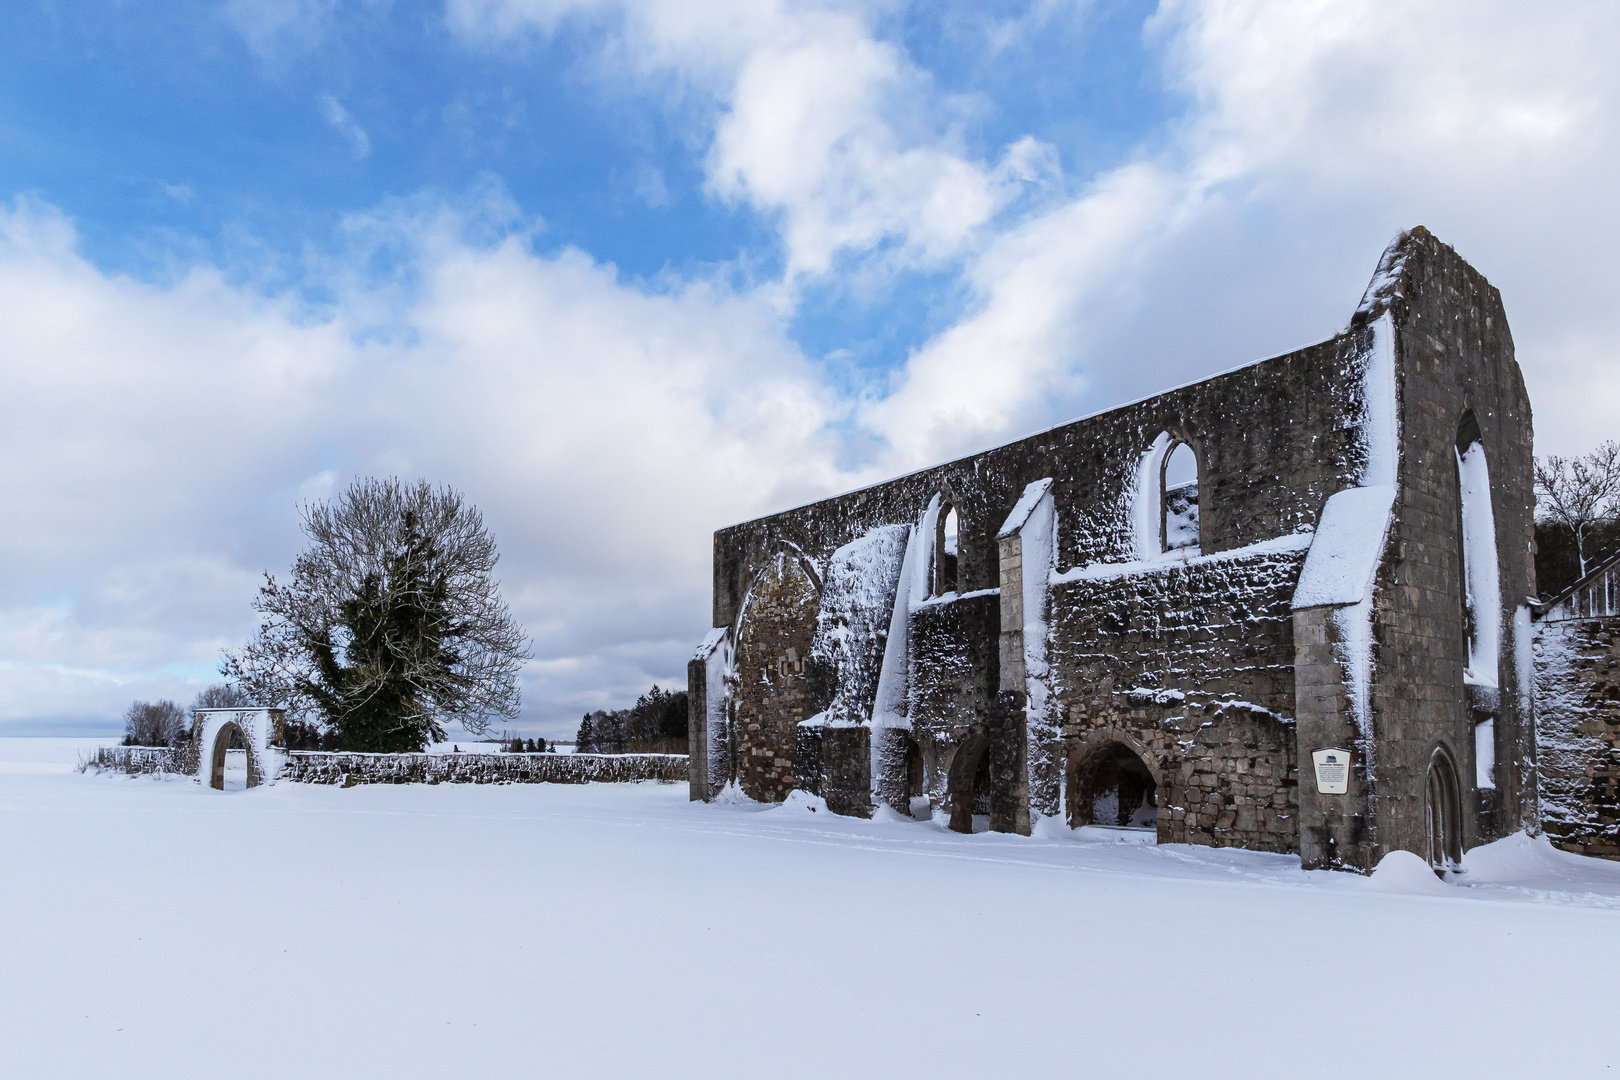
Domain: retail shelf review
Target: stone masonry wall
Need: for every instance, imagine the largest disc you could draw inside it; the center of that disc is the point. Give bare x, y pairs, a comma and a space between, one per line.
1454, 354
144, 760
772, 695
1191, 666
348, 770
1578, 733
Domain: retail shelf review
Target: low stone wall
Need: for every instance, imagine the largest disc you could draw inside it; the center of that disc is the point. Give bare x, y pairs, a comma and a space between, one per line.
142, 760
323, 767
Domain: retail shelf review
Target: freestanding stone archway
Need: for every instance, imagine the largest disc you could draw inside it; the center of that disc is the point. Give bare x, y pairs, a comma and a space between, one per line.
260, 731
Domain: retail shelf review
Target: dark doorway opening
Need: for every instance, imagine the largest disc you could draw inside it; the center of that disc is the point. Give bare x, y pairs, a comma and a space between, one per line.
915, 786
1112, 786
1442, 813
970, 785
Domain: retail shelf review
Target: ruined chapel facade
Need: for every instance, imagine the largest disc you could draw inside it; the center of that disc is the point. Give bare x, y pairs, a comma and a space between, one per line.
1283, 608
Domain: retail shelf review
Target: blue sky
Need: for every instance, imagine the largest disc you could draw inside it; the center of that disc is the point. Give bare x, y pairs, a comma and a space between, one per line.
243, 134
606, 263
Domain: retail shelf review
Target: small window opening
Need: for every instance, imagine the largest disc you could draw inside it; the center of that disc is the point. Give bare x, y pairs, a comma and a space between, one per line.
1180, 498
946, 542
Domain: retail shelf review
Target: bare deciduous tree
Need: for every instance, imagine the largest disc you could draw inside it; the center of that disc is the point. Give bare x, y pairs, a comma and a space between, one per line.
154, 723
223, 696
391, 625
1579, 492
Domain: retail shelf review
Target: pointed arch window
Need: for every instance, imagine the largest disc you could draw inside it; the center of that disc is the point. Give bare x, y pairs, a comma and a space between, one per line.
1178, 498
947, 541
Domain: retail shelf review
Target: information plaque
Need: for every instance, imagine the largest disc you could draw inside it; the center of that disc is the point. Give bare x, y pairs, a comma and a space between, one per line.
1332, 770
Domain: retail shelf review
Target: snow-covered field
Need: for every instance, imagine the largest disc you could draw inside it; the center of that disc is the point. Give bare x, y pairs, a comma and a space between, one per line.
152, 928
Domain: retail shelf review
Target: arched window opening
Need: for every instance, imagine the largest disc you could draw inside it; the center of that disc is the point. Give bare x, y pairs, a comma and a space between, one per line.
1112, 787
946, 543
1442, 812
1179, 498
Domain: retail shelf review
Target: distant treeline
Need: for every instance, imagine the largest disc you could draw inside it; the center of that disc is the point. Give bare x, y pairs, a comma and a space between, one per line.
164, 723
655, 724
515, 745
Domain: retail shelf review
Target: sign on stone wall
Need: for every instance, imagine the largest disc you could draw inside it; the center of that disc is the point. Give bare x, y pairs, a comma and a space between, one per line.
1332, 770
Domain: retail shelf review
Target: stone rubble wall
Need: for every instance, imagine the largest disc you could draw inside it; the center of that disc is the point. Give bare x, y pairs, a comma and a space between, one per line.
348, 770
145, 760
1193, 664
1578, 733
328, 767
774, 677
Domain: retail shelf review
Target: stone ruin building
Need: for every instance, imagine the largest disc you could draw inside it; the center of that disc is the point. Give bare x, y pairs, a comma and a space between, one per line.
1285, 608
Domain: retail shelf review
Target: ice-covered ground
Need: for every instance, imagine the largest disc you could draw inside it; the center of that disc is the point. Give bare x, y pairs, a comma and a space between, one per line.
152, 928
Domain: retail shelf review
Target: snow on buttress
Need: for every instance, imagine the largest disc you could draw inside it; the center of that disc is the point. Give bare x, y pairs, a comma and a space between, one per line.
715, 652
1034, 519
856, 612
889, 705
1345, 551
1355, 522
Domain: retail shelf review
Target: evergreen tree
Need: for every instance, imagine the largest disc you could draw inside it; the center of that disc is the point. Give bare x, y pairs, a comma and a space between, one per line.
391, 624
585, 741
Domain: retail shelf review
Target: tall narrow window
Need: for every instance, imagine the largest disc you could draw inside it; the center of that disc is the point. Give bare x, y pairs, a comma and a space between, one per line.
945, 551
1179, 498
1481, 596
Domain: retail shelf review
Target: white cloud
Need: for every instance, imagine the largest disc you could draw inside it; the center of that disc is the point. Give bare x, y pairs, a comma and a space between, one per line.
816, 121
156, 441
344, 124
1317, 131
271, 26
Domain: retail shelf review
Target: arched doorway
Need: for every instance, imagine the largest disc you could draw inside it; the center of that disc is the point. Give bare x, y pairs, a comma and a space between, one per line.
1442, 814
969, 788
1112, 786
916, 785
230, 746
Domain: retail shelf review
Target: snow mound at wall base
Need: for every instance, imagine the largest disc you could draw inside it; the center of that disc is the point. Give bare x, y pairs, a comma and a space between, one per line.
1522, 859
1404, 872
800, 801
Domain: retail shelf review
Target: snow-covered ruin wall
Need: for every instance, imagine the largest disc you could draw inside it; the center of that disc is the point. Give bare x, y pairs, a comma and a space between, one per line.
1063, 619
